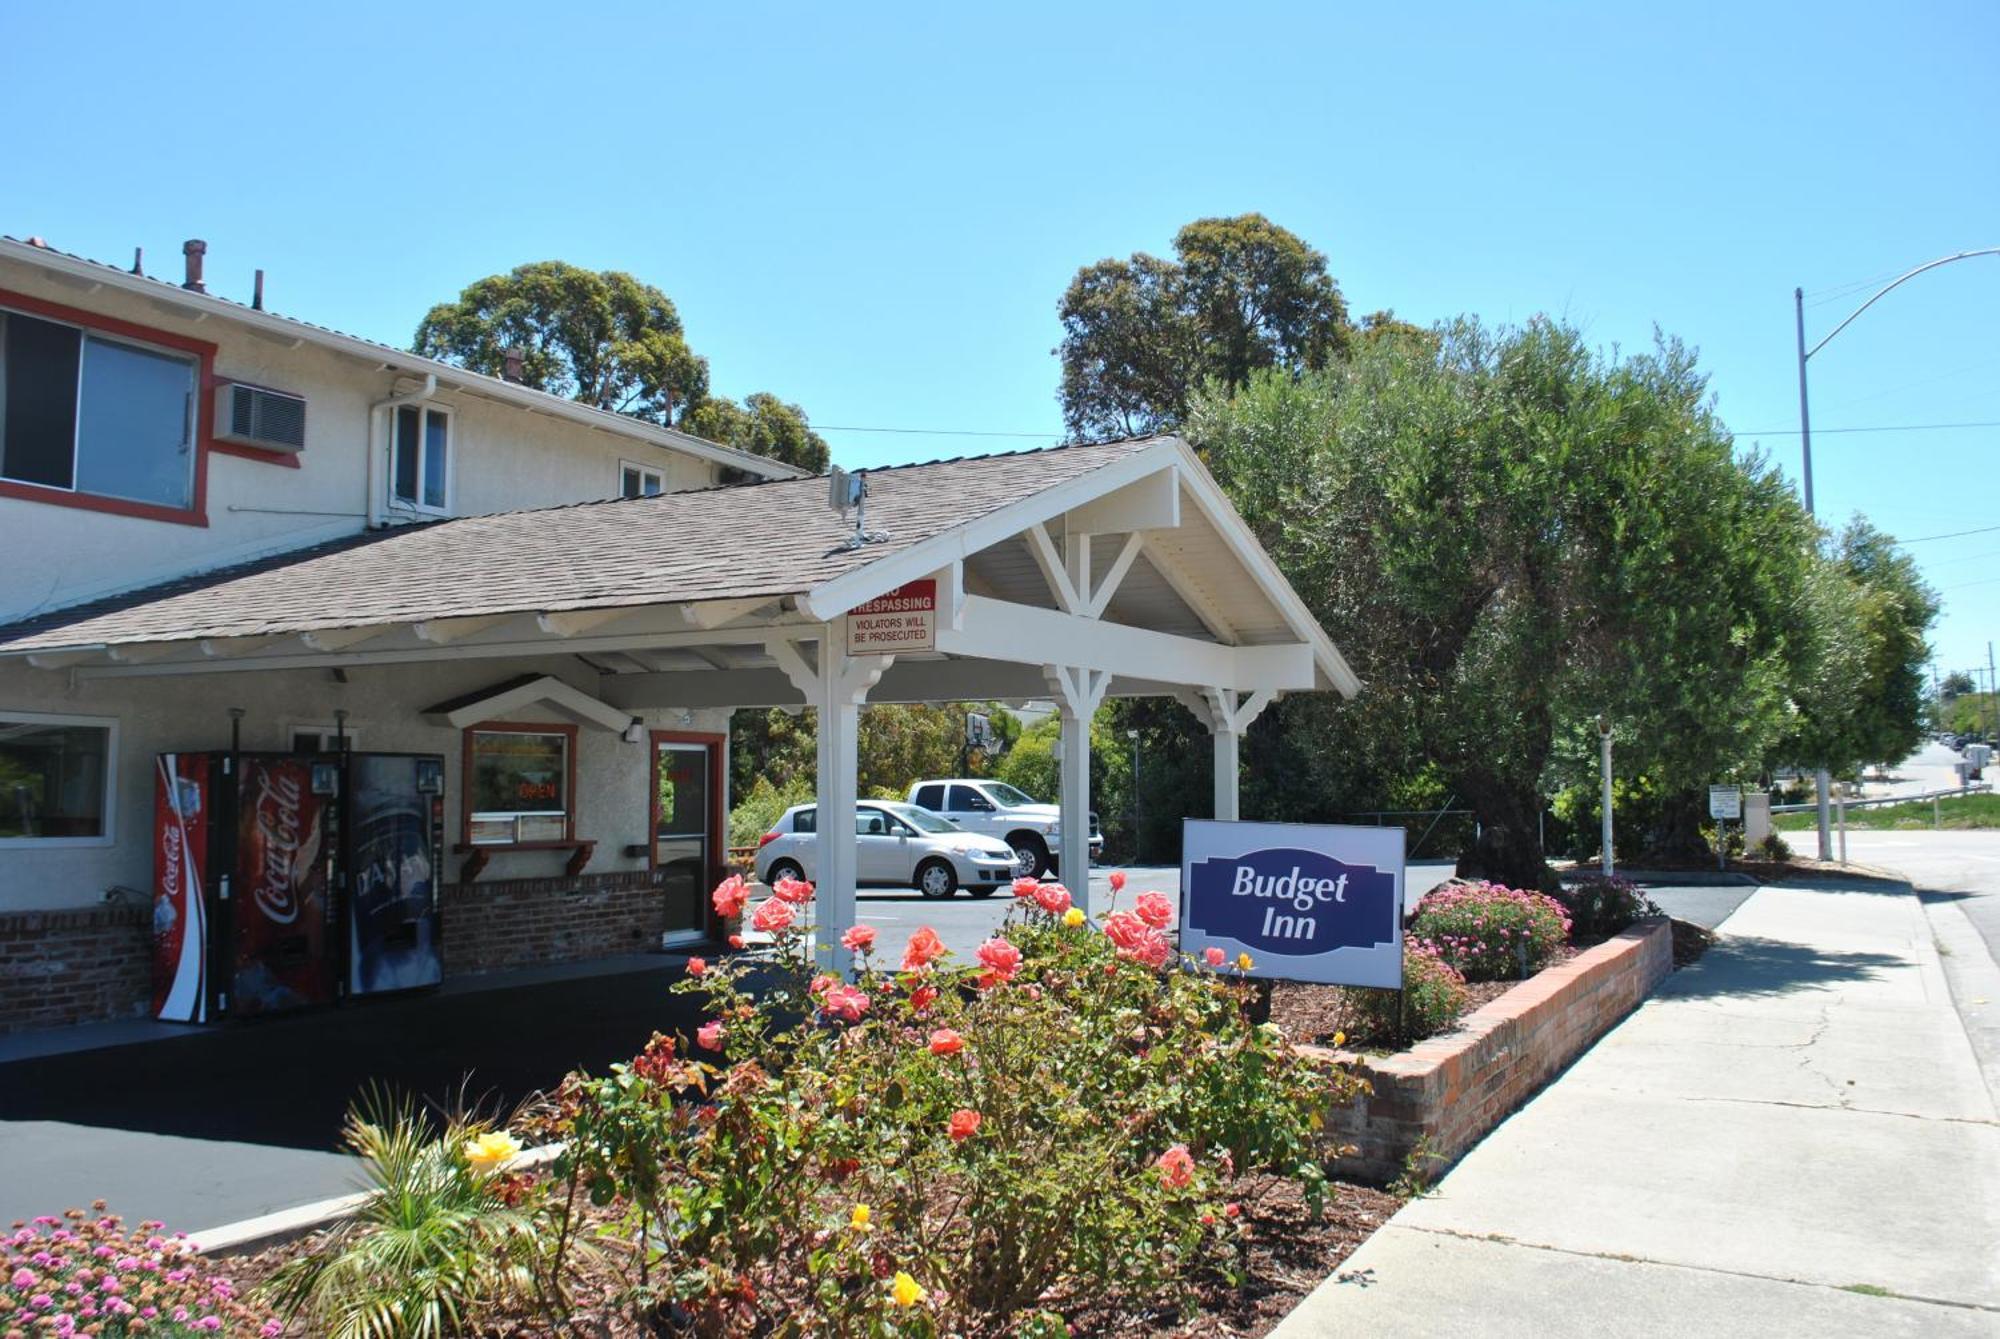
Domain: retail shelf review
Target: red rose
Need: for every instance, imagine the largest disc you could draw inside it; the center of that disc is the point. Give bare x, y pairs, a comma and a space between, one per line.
964, 1123
1155, 910
946, 1042
1117, 881
1176, 1167
697, 966
922, 998
925, 948
730, 896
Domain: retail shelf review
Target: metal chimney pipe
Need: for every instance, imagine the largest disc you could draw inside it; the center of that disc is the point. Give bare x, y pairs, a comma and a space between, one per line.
194, 249
139, 261
257, 294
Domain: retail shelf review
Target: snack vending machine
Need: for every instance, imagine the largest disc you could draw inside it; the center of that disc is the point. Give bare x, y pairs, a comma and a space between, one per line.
285, 881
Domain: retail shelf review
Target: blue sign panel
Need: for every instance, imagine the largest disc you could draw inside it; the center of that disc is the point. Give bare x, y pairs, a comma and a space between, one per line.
1307, 902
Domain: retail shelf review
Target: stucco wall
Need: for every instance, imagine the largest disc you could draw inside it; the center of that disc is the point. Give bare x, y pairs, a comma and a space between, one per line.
191, 712
504, 458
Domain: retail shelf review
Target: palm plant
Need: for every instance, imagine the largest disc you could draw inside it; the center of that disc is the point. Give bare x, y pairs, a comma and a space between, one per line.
433, 1242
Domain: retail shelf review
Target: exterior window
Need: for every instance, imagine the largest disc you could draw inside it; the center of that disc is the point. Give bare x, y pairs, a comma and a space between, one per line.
55, 780
639, 481
90, 414
422, 457
519, 784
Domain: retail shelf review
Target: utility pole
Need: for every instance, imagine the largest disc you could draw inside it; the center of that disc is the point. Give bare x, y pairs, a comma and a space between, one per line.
1822, 779
1992, 695
1604, 738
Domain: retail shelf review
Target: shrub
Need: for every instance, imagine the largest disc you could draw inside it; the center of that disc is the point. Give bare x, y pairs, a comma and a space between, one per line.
1490, 932
1434, 995
441, 1236
932, 1147
89, 1274
1599, 907
1774, 848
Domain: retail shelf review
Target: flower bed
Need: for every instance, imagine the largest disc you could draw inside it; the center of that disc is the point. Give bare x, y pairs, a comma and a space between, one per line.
1078, 1129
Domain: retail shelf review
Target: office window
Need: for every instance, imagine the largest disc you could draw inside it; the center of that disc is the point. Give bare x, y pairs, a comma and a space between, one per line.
518, 784
86, 413
55, 779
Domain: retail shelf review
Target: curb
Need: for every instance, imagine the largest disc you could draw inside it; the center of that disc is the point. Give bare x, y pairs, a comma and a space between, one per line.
247, 1236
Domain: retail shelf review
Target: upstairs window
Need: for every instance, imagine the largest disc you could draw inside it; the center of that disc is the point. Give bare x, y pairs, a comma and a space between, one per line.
420, 476
86, 413
640, 481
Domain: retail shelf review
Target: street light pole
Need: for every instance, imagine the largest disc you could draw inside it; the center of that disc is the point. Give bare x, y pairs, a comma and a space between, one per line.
1604, 738
1824, 782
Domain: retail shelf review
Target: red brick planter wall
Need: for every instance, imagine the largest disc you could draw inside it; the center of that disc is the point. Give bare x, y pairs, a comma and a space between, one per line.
1446, 1093
497, 923
88, 965
59, 967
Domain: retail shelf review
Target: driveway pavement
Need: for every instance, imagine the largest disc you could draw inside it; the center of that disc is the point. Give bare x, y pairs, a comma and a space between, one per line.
1794, 1136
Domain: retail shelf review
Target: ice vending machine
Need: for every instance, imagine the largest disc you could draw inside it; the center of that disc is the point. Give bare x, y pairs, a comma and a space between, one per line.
284, 881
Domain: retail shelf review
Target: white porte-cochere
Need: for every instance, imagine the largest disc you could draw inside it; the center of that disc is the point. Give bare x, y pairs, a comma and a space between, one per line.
1076, 574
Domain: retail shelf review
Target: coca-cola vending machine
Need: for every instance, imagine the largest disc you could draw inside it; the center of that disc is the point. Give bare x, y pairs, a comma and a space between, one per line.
285, 881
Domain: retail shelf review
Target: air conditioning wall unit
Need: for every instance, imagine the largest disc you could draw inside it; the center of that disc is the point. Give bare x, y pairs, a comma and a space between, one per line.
254, 416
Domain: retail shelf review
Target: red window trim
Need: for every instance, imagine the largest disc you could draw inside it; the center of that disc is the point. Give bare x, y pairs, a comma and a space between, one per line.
465, 777
718, 854
204, 442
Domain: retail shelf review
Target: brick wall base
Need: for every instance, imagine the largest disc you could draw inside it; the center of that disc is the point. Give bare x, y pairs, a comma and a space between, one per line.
59, 967
500, 923
85, 966
1446, 1093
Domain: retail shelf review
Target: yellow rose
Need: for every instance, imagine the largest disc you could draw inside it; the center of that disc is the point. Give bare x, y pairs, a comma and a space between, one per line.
906, 1291
1340, 1039
858, 1220
1073, 917
491, 1150
1244, 962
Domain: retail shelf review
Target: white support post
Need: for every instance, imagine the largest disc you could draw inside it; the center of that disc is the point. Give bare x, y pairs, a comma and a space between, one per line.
836, 687
1228, 714
1078, 692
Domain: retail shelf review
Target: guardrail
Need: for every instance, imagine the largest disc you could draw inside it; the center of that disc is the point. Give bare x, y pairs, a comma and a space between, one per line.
1976, 788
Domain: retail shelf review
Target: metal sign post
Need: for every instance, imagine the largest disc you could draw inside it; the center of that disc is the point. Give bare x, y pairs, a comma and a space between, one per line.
1725, 804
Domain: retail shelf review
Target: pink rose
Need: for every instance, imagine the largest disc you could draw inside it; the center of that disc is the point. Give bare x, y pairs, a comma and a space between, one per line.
1001, 959
730, 896
709, 1034
772, 916
697, 966
1026, 887
795, 891
1176, 1167
1052, 898
1155, 910
860, 939
845, 1003
1214, 956
922, 998
946, 1042
822, 983
925, 948
1117, 881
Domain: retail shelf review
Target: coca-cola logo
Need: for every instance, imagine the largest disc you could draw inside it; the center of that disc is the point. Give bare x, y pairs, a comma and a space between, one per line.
170, 859
284, 846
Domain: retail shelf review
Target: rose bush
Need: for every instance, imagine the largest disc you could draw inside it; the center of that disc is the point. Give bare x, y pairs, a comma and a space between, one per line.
1599, 907
936, 1147
1434, 995
1489, 932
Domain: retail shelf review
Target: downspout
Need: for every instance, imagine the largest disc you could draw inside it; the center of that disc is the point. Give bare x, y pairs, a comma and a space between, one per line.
378, 444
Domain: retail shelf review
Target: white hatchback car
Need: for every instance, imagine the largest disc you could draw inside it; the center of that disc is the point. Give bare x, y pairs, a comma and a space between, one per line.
897, 844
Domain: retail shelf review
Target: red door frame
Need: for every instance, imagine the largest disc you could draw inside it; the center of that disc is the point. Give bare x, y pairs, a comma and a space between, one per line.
717, 853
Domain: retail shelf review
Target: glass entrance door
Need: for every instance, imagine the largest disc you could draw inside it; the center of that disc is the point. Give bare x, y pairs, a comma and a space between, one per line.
686, 842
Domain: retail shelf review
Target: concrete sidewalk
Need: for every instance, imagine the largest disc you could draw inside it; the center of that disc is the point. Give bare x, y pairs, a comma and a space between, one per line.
1789, 1129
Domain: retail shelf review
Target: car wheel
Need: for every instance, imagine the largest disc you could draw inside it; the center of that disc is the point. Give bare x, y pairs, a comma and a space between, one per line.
783, 869
987, 891
936, 879
1031, 855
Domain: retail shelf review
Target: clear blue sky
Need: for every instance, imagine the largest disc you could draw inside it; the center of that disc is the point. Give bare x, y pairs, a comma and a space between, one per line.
872, 210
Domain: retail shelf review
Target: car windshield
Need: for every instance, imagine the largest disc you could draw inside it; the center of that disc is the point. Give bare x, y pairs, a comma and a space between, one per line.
923, 820
1006, 794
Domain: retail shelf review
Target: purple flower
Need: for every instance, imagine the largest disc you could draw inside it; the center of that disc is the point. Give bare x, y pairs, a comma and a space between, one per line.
24, 1278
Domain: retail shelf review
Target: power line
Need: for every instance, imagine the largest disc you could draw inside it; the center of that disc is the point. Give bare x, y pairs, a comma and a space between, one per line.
937, 432
1964, 584
1880, 427
1956, 534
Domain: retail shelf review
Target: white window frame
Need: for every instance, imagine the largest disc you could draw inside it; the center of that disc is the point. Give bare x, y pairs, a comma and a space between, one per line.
658, 473
190, 422
109, 724
328, 731
449, 415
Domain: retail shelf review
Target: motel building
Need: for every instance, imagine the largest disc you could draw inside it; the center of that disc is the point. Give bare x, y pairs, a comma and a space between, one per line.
327, 670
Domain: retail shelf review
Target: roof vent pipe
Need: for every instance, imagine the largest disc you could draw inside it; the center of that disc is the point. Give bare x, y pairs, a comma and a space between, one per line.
139, 261
194, 249
257, 293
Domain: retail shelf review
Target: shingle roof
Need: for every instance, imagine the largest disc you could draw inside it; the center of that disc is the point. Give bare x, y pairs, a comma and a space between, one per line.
763, 539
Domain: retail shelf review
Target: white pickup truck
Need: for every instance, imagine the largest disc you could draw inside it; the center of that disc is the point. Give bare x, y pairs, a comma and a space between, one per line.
997, 809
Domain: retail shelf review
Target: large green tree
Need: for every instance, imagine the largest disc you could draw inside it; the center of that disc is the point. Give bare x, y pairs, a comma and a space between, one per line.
762, 423
611, 341
1509, 534
603, 338
1141, 335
